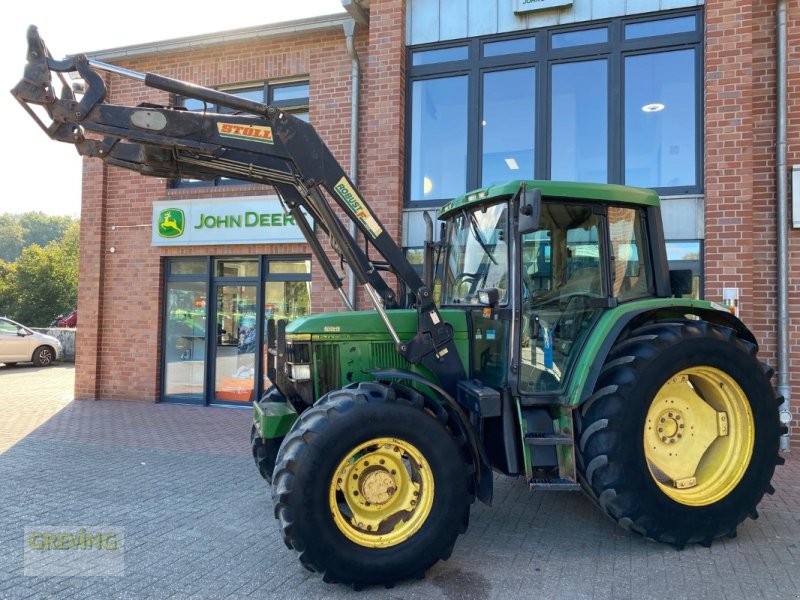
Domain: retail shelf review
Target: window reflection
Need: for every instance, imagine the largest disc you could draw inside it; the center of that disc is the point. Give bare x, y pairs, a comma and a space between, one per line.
688, 255
660, 27
508, 125
579, 122
579, 38
515, 46
660, 119
438, 138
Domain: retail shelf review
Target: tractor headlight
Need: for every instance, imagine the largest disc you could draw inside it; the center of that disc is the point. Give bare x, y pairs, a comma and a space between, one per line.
300, 372
298, 356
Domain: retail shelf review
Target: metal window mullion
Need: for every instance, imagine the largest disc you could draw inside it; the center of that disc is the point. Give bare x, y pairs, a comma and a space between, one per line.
474, 115
616, 107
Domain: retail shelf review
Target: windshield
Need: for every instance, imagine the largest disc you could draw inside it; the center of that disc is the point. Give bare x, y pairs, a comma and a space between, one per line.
478, 254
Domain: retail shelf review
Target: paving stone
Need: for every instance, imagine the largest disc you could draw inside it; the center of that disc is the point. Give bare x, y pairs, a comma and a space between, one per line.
198, 519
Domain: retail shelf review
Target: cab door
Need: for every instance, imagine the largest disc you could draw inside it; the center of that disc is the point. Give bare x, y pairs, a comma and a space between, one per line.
564, 287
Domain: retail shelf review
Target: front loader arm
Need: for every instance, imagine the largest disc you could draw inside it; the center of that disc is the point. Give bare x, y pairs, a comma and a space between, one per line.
260, 144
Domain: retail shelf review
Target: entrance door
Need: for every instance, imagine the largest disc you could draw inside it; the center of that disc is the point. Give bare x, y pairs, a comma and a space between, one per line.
234, 345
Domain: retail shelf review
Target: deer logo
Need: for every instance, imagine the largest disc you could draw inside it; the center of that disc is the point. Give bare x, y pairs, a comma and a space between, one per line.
171, 223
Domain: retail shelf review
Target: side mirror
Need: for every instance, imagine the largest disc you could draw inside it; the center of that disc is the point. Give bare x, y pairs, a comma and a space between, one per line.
489, 297
530, 207
21, 332
681, 282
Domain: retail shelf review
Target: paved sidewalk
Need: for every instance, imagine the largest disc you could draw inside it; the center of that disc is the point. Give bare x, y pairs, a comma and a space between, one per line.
29, 396
198, 522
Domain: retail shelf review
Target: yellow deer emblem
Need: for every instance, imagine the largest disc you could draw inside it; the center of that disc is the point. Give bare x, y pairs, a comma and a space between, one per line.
171, 222
168, 223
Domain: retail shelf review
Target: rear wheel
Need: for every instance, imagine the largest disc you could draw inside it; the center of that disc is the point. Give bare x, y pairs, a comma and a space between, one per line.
370, 488
680, 439
43, 356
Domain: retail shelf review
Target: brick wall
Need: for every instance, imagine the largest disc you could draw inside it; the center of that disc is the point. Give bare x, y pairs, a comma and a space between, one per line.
121, 292
740, 180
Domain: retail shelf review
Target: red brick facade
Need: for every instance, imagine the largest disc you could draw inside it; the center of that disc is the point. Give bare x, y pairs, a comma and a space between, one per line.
120, 292
740, 169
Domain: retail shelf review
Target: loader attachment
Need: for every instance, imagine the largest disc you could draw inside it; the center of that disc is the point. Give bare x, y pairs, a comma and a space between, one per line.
257, 143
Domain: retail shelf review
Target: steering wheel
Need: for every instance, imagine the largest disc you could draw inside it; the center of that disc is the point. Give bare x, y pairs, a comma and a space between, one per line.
462, 278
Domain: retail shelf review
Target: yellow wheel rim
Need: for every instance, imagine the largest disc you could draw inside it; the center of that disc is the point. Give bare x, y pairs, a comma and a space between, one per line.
699, 436
381, 493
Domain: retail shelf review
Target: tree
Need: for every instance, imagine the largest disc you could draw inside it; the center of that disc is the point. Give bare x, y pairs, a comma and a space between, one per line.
7, 276
39, 228
44, 282
11, 238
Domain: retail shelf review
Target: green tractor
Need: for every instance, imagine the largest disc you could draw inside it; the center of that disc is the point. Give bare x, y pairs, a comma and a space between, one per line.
546, 339
581, 370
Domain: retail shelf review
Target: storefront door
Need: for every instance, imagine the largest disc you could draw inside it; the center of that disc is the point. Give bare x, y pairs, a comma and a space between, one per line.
235, 342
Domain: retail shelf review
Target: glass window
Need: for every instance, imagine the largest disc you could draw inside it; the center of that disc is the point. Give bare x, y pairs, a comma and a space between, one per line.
562, 273
254, 94
687, 255
579, 38
583, 105
185, 339
430, 57
187, 266
438, 138
660, 136
508, 125
236, 267
477, 256
660, 27
8, 327
515, 46
287, 93
193, 104
289, 266
630, 274
579, 122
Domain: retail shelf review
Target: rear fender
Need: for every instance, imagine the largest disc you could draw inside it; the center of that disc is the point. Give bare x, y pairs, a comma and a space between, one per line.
581, 389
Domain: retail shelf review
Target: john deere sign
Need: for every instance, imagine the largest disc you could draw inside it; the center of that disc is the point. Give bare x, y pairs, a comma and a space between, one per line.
251, 220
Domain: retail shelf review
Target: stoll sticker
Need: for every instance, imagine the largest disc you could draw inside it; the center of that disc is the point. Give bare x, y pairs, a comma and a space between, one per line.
357, 207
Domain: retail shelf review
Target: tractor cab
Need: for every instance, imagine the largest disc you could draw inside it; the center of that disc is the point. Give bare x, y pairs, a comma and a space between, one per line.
535, 264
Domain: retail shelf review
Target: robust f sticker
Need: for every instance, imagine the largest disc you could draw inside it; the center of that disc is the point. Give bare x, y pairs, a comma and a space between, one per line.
250, 133
357, 207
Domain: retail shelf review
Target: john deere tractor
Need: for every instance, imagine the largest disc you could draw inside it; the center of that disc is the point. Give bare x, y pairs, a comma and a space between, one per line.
546, 339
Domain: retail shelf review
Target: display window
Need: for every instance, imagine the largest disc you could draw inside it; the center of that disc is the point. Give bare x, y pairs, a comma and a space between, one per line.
215, 313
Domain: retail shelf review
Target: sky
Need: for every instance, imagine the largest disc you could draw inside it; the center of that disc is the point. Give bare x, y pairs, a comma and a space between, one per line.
43, 175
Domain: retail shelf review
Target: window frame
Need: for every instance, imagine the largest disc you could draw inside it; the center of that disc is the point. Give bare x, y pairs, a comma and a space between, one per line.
211, 281
542, 58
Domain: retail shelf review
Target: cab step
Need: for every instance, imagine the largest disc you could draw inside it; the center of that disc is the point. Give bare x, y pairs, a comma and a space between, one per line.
548, 439
553, 484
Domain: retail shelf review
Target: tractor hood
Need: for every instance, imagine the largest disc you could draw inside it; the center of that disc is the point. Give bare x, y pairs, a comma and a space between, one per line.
327, 326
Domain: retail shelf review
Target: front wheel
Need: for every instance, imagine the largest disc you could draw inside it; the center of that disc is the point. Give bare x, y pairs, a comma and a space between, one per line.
680, 439
43, 356
370, 488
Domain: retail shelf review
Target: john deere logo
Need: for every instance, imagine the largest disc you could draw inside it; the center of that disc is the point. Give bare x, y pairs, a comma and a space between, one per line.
171, 222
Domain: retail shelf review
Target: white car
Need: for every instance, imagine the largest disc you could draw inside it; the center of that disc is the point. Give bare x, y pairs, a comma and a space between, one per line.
20, 344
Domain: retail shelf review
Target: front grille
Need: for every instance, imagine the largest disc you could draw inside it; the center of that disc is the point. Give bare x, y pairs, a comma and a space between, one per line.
385, 355
327, 369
